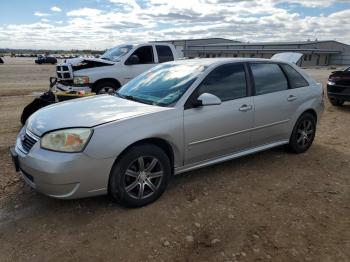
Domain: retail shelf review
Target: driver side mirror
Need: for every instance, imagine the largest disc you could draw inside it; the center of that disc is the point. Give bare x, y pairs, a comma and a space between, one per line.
207, 99
133, 60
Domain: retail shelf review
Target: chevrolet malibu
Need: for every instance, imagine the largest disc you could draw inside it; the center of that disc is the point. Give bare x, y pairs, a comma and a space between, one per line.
176, 117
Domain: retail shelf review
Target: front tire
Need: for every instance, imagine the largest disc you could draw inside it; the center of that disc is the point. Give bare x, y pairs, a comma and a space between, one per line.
140, 176
336, 102
303, 134
106, 87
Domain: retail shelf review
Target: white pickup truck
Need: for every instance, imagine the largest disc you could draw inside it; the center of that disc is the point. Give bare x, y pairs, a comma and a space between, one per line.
113, 69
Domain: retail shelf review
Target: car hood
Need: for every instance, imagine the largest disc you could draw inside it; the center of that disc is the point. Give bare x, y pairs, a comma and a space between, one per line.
80, 63
87, 112
79, 60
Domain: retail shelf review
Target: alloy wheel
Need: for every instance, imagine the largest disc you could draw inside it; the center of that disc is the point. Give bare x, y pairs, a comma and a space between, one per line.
106, 90
305, 133
143, 177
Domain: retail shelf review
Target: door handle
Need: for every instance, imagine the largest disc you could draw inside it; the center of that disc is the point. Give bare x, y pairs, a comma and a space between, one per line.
245, 108
292, 98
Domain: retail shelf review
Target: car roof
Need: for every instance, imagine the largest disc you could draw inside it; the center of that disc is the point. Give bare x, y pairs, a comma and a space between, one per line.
218, 61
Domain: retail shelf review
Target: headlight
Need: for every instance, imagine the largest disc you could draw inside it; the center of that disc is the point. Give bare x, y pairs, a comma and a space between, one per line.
80, 80
331, 83
66, 140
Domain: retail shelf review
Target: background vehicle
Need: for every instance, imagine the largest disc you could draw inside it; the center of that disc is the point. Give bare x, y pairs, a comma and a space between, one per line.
46, 60
338, 87
113, 69
1, 61
176, 117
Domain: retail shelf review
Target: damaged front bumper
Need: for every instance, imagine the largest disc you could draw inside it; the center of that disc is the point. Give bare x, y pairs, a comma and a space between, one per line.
65, 86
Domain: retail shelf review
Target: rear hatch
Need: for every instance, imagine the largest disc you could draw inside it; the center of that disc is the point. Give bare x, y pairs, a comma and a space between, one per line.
290, 57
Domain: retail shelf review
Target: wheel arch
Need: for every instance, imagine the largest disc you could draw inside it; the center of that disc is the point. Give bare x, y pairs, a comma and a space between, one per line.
160, 142
310, 111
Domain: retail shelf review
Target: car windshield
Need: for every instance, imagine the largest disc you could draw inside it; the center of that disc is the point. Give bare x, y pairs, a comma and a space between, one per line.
162, 85
116, 53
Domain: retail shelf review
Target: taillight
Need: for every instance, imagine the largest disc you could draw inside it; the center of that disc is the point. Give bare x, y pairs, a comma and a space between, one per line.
321, 86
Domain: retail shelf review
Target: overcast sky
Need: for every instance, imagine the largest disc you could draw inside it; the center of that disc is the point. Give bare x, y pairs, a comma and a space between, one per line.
99, 24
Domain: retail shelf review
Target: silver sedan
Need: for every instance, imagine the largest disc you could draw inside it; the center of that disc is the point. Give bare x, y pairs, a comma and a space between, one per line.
177, 117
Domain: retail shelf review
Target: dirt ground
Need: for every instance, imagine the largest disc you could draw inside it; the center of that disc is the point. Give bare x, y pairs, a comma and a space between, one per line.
271, 206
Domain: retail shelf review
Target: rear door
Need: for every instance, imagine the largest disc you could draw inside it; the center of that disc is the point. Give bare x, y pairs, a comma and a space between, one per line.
147, 61
218, 130
275, 103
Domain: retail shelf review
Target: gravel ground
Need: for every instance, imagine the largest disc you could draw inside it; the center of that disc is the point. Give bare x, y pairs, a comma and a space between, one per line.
271, 206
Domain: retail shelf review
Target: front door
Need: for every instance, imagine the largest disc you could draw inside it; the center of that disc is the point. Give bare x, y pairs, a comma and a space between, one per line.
219, 130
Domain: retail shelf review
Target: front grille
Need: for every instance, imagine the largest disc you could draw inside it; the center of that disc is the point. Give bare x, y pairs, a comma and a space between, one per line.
28, 141
64, 72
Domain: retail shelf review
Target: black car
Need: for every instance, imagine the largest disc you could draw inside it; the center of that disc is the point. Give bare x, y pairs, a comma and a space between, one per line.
1, 61
46, 60
338, 87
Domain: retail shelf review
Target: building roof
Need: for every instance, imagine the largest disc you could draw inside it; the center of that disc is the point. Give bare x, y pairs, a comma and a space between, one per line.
200, 39
267, 50
271, 43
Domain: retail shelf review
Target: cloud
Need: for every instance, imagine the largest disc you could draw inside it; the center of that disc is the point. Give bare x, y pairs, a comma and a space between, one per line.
84, 12
40, 14
135, 21
56, 9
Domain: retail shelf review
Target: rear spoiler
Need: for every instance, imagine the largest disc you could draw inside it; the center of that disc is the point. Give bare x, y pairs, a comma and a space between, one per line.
290, 57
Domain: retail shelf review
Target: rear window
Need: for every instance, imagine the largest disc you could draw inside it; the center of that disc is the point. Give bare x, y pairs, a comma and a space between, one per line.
268, 78
164, 53
296, 79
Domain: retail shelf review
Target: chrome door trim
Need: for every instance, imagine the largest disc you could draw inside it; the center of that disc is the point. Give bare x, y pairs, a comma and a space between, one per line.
236, 133
224, 158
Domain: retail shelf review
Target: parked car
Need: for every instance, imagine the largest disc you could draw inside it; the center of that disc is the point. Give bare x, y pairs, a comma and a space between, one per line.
113, 69
176, 117
338, 87
46, 60
1, 61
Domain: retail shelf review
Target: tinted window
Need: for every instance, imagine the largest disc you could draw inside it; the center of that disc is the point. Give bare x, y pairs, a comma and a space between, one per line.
226, 82
164, 53
296, 79
268, 78
145, 54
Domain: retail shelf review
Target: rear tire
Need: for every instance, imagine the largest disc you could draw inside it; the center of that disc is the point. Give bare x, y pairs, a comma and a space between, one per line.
140, 176
106, 87
303, 134
336, 102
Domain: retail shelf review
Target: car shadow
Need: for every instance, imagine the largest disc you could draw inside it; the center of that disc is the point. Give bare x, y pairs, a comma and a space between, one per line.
183, 187
344, 108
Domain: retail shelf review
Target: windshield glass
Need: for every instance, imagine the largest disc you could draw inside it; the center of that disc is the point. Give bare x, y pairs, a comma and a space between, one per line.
162, 85
116, 53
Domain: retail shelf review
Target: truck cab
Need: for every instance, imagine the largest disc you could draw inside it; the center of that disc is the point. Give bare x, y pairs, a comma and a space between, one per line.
113, 69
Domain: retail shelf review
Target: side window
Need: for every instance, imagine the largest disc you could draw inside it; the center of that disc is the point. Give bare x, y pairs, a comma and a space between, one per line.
226, 82
296, 79
268, 78
164, 53
145, 54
